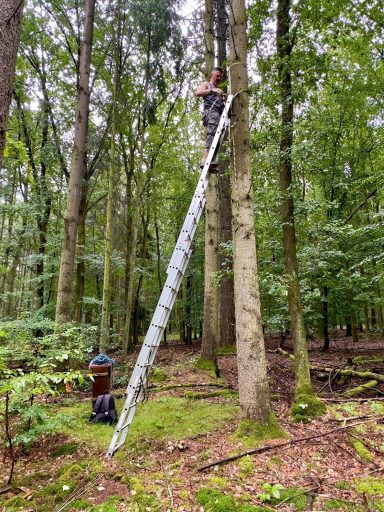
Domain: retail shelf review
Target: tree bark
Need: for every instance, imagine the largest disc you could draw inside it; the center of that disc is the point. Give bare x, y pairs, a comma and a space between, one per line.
64, 295
210, 339
284, 49
251, 359
10, 20
80, 253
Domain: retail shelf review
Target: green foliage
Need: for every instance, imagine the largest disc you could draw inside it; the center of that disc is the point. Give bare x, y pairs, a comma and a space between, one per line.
307, 407
41, 365
253, 433
271, 492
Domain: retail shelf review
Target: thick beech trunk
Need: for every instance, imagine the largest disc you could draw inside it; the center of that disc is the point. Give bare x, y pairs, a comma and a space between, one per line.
284, 48
10, 18
64, 295
251, 360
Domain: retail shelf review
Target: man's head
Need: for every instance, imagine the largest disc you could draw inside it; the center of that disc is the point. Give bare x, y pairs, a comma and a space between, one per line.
216, 75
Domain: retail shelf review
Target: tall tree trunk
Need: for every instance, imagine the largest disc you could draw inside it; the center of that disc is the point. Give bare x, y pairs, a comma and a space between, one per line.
226, 293
131, 257
105, 315
211, 296
209, 54
284, 49
10, 19
80, 253
143, 257
251, 359
64, 295
158, 268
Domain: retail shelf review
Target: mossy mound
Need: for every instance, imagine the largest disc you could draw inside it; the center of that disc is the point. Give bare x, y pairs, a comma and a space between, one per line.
306, 407
370, 486
65, 449
227, 350
207, 365
252, 432
335, 504
215, 501
293, 495
157, 375
167, 418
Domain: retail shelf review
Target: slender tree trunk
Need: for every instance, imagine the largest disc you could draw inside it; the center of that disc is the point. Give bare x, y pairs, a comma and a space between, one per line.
10, 19
324, 303
251, 359
143, 257
225, 263
284, 49
158, 267
64, 295
188, 318
210, 339
354, 326
104, 330
131, 257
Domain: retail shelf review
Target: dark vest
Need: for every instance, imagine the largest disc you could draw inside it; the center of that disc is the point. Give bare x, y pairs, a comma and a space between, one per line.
213, 101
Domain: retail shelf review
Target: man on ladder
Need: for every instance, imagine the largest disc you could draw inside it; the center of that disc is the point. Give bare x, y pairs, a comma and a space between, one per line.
213, 108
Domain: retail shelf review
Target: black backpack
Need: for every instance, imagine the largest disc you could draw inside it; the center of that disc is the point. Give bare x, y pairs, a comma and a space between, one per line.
104, 410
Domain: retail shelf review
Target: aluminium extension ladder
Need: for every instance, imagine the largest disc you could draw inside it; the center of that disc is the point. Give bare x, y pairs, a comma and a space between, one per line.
135, 391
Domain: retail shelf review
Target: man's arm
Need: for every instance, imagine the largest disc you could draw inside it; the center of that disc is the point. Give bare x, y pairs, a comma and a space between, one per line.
203, 90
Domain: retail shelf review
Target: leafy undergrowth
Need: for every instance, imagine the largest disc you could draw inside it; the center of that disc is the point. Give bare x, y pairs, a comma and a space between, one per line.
173, 436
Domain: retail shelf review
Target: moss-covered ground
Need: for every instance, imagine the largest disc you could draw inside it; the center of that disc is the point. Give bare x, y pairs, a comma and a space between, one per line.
177, 430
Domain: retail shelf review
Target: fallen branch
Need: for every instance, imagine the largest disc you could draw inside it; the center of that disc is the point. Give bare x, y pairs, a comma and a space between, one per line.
343, 400
360, 389
286, 443
362, 375
153, 387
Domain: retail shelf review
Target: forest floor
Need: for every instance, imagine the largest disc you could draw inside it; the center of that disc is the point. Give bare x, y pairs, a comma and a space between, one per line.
190, 419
